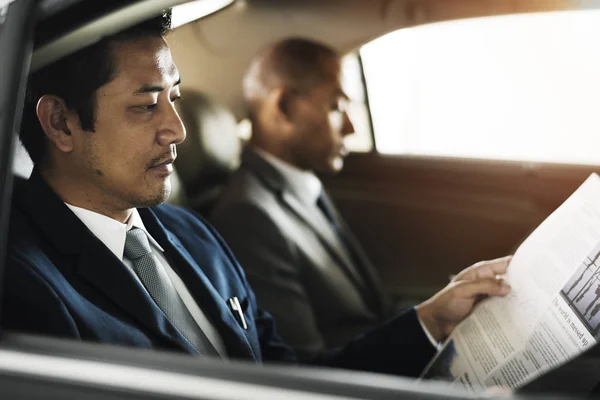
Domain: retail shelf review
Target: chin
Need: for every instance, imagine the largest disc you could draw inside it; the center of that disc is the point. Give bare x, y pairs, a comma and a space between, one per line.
162, 196
336, 165
154, 198
329, 166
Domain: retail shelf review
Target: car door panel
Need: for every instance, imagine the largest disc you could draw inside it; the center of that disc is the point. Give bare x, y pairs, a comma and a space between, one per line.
422, 219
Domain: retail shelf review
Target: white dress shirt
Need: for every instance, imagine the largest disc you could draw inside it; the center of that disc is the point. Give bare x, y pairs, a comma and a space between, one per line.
306, 187
112, 233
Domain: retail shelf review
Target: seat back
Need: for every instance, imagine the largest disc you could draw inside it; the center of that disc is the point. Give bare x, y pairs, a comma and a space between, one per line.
211, 151
21, 164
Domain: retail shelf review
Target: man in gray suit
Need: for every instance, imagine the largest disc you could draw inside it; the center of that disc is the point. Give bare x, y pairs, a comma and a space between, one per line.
302, 261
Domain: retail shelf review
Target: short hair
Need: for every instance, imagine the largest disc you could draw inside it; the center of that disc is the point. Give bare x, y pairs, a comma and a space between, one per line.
76, 78
295, 63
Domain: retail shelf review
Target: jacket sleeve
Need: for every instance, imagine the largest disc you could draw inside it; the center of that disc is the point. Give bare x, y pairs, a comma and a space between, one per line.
269, 262
30, 304
398, 346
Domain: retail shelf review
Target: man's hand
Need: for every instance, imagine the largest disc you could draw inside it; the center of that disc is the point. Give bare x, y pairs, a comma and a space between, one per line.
441, 313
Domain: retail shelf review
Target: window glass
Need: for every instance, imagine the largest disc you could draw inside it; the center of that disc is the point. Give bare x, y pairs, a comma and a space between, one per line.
520, 87
3, 10
352, 81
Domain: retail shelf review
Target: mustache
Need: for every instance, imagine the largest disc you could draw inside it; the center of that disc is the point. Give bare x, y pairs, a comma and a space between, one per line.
169, 155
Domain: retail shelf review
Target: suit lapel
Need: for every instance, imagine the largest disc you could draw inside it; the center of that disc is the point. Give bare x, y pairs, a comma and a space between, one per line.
107, 273
363, 274
200, 287
366, 269
96, 264
310, 217
326, 234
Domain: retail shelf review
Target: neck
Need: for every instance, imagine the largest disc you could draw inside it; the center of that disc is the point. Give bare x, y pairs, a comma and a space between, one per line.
83, 195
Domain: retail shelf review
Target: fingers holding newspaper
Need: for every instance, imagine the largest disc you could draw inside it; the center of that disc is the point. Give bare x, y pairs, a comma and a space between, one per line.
442, 312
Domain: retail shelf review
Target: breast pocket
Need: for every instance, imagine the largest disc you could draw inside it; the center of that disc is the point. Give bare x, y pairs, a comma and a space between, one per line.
238, 308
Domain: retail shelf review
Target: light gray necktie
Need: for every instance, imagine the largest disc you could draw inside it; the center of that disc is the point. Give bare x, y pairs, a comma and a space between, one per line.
158, 284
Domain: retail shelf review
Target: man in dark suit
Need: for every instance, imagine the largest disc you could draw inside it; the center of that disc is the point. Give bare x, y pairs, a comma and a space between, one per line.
93, 255
304, 264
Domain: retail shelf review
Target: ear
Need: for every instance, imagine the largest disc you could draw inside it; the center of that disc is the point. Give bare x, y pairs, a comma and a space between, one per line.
54, 116
281, 102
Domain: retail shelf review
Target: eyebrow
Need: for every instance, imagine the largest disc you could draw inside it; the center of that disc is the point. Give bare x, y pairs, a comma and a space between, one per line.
149, 88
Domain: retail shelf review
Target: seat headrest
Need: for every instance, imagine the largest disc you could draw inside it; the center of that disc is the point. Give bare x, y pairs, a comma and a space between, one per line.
21, 163
212, 147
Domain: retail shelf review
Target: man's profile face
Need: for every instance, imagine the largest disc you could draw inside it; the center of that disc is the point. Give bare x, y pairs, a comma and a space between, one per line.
128, 158
321, 124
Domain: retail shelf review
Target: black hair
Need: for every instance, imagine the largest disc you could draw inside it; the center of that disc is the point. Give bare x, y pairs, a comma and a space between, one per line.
76, 78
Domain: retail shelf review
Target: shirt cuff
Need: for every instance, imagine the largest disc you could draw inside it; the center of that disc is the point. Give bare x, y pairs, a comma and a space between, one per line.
432, 340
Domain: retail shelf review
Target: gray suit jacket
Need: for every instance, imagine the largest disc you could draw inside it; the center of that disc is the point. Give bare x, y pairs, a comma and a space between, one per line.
296, 264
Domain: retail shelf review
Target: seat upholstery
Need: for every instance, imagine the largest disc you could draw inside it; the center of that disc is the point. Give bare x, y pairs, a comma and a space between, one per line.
211, 151
21, 163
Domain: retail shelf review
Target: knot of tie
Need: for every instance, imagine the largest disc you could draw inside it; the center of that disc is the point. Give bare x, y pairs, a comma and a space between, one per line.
136, 244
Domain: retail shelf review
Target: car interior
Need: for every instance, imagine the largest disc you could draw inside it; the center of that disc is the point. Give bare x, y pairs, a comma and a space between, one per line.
421, 217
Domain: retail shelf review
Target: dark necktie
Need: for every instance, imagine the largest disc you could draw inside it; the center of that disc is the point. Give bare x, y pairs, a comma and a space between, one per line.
327, 209
158, 284
361, 263
330, 213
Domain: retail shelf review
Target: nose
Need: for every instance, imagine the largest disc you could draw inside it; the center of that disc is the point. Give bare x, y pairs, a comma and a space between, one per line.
172, 130
347, 127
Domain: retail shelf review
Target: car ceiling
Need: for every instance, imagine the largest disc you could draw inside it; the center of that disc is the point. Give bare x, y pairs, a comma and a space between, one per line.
213, 53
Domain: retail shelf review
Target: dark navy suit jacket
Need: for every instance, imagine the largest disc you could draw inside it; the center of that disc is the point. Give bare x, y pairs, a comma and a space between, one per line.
60, 280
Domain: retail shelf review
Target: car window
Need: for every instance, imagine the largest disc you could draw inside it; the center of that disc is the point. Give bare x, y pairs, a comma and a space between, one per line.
2, 17
3, 12
519, 87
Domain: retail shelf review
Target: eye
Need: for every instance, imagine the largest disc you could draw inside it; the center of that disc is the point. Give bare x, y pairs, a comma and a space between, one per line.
174, 99
147, 108
341, 105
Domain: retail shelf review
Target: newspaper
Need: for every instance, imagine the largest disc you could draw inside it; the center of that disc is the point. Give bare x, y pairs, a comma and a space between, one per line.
551, 314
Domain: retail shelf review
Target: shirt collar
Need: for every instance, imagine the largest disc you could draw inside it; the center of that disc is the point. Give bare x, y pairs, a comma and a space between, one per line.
304, 185
110, 231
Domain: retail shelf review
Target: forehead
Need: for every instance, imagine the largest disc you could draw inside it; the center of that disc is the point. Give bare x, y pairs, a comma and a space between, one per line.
329, 85
144, 60
331, 67
326, 71
329, 74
